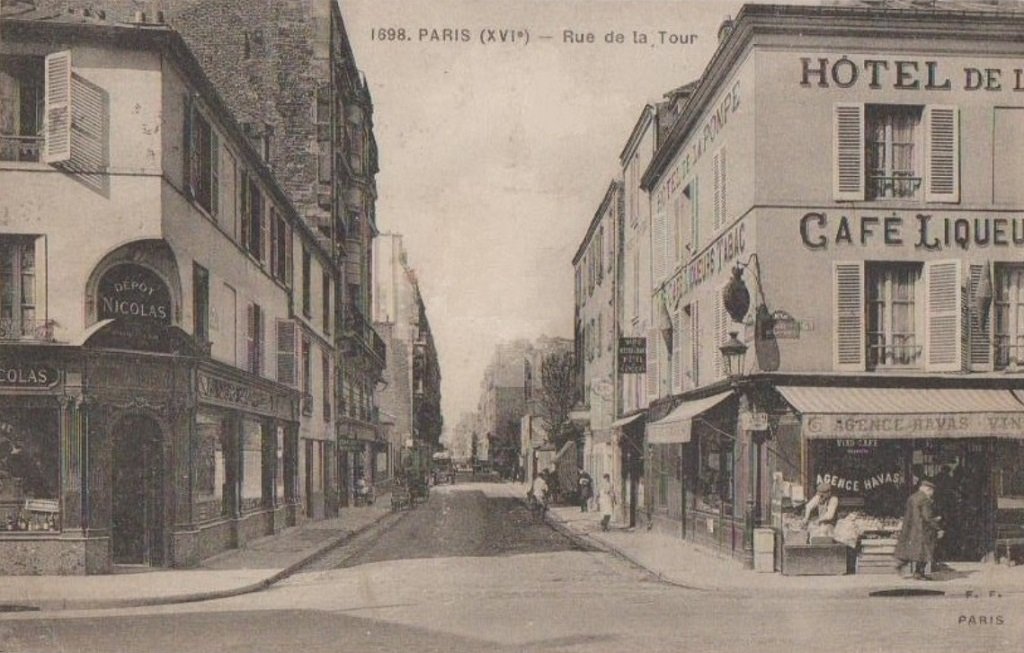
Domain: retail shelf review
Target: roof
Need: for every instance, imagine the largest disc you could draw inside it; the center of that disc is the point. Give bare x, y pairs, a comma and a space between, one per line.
606, 203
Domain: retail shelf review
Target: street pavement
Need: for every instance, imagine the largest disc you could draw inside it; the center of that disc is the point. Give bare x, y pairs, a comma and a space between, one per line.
472, 570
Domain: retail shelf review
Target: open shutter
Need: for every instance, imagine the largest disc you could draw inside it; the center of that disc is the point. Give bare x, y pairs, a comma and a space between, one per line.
720, 326
286, 352
652, 363
848, 152
57, 147
214, 173
676, 354
942, 308
694, 344
848, 316
977, 327
718, 178
658, 247
250, 337
942, 150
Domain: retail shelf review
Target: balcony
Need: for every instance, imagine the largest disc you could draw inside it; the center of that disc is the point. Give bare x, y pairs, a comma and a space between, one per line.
37, 330
359, 330
20, 148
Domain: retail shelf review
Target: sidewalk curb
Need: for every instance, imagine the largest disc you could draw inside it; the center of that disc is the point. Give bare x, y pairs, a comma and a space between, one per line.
193, 597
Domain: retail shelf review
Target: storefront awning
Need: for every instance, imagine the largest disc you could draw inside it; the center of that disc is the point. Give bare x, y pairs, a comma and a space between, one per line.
906, 413
626, 420
677, 426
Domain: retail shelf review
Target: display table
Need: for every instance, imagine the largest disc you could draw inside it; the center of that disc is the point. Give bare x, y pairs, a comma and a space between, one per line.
814, 559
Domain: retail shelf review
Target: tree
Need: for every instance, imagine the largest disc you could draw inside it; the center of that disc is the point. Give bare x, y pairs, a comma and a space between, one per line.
558, 396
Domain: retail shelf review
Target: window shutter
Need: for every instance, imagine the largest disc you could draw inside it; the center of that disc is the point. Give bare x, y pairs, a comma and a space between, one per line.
943, 154
250, 337
214, 173
942, 308
848, 152
652, 363
694, 344
718, 179
244, 202
848, 317
676, 358
57, 147
658, 247
286, 352
977, 326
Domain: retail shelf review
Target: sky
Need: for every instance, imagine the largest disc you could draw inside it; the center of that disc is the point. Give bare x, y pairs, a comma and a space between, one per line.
495, 156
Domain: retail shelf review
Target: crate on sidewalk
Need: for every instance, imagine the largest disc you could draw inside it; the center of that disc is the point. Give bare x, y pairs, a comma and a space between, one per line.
876, 555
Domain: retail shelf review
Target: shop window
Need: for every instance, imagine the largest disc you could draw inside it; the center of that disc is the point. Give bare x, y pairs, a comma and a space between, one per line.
279, 464
22, 288
211, 467
201, 303
307, 276
29, 470
1008, 316
202, 159
893, 325
21, 108
252, 464
714, 482
896, 152
251, 202
254, 339
1008, 475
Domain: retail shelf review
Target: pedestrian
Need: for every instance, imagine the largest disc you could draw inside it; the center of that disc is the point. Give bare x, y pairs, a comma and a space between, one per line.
586, 489
921, 530
606, 501
823, 505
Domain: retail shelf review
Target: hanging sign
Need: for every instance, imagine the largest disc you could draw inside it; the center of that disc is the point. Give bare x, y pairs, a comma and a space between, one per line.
632, 355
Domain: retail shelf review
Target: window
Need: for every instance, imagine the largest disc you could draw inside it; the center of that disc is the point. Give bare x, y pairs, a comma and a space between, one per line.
307, 274
714, 491
892, 306
201, 303
325, 300
891, 151
1008, 316
280, 246
21, 108
252, 464
325, 363
254, 339
251, 200
687, 224
202, 159
305, 380
20, 288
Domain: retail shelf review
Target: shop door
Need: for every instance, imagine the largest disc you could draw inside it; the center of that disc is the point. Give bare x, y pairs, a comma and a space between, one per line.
343, 477
137, 489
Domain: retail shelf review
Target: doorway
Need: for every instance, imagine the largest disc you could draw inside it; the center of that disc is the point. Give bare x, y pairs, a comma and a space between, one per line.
137, 519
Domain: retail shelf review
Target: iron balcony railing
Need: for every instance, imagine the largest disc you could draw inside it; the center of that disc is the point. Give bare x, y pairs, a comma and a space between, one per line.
360, 329
20, 148
15, 329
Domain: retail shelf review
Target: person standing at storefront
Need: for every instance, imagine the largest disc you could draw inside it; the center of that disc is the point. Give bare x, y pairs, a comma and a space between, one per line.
920, 532
586, 489
606, 501
824, 505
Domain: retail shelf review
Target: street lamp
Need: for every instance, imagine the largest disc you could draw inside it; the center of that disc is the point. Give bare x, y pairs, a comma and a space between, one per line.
734, 354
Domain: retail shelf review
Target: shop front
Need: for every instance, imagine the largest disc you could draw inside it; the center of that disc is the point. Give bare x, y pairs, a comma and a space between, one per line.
874, 446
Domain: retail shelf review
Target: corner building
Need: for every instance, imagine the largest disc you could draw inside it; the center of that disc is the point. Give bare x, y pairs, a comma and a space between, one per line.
154, 380
857, 169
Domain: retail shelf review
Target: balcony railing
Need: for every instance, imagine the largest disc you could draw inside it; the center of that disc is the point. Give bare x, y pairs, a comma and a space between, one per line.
359, 328
20, 148
13, 329
895, 187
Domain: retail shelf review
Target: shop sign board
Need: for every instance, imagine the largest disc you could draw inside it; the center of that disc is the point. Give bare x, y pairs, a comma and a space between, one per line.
27, 376
632, 355
914, 425
134, 292
223, 391
756, 421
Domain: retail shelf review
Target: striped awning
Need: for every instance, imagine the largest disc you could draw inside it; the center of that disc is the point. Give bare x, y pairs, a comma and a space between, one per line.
677, 426
905, 413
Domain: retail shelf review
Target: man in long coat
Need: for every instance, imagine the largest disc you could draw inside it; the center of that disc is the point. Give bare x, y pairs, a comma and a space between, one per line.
921, 530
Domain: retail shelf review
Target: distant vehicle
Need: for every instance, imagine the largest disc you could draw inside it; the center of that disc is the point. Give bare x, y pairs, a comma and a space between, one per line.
442, 468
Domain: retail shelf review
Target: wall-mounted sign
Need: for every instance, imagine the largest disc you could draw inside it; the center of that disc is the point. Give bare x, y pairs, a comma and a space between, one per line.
878, 73
632, 355
820, 230
19, 375
133, 292
784, 326
757, 421
913, 425
218, 390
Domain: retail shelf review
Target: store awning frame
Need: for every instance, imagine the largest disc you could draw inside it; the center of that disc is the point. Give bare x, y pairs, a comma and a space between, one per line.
677, 426
625, 421
837, 413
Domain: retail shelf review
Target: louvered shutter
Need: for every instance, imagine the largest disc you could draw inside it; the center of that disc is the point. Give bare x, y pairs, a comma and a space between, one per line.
214, 173
250, 337
57, 147
652, 363
848, 152
848, 316
977, 327
942, 308
695, 343
676, 357
245, 208
286, 352
716, 201
658, 247
942, 124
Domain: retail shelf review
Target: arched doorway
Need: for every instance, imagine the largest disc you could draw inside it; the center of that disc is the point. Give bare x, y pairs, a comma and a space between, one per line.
137, 512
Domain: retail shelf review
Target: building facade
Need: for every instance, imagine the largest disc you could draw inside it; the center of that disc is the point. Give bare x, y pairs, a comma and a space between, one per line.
869, 148
156, 377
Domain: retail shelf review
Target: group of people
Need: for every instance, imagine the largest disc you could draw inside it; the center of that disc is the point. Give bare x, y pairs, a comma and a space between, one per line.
605, 496
919, 535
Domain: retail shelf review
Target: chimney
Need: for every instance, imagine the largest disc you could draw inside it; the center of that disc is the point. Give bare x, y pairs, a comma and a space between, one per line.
139, 17
725, 29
